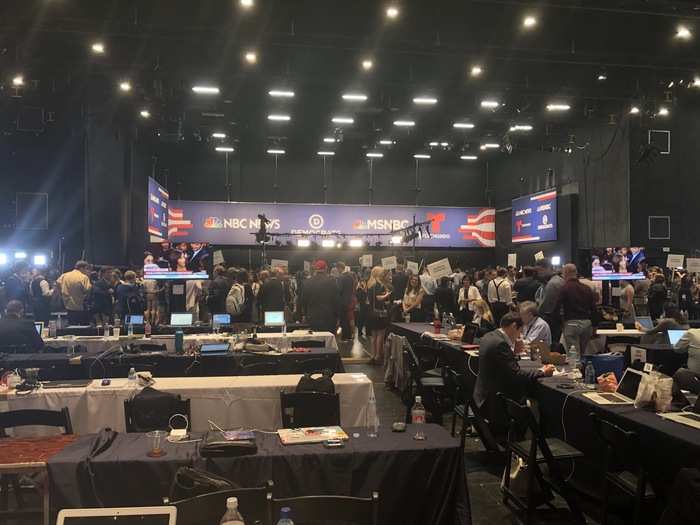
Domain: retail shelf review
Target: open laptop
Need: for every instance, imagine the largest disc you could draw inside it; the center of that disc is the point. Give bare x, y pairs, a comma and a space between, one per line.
208, 349
134, 319
181, 319
38, 326
674, 336
119, 516
645, 321
220, 320
274, 318
626, 390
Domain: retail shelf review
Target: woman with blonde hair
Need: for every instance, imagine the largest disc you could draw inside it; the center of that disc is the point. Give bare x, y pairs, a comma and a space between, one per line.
483, 317
377, 297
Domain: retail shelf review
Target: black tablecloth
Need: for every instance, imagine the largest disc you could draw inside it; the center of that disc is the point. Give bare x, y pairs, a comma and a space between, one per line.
419, 482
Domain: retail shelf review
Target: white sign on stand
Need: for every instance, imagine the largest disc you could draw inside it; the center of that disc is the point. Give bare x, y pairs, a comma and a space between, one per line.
539, 256
413, 267
512, 259
440, 269
674, 260
366, 261
279, 263
389, 263
692, 265
307, 266
217, 257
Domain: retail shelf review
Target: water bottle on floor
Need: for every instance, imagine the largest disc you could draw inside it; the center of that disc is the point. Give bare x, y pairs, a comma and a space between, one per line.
232, 516
285, 516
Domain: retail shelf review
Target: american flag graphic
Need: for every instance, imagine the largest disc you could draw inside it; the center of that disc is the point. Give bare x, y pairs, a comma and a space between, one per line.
178, 226
481, 228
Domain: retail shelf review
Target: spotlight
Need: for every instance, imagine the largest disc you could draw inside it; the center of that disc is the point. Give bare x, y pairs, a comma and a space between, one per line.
278, 93
3, 258
634, 110
696, 82
18, 80
374, 155
367, 64
125, 86
404, 123
433, 144
327, 243
392, 12
206, 90
356, 243
386, 142
274, 151
469, 157
325, 153
145, 113
218, 135
224, 149
520, 127
251, 57
396, 239
354, 97
98, 48
343, 120
421, 156
490, 104
602, 77
20, 255
663, 112
476, 71
329, 140
556, 260
303, 243
463, 125
683, 33
529, 22
490, 145
247, 4
558, 107
279, 118
425, 101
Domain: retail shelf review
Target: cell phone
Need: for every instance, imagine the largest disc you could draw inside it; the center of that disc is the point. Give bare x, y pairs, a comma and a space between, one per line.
333, 443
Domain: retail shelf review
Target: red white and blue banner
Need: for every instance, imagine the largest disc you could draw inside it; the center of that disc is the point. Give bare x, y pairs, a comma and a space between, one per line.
534, 218
233, 223
157, 211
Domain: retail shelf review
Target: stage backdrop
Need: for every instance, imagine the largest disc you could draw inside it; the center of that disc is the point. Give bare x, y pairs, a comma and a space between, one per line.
233, 223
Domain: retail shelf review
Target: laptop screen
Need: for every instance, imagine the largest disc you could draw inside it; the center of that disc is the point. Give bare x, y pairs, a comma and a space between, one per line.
117, 520
134, 319
630, 383
214, 348
118, 516
38, 327
220, 319
274, 318
646, 322
675, 335
181, 319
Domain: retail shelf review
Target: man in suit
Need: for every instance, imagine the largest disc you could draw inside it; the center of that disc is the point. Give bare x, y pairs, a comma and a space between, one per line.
320, 300
499, 372
346, 289
272, 296
16, 331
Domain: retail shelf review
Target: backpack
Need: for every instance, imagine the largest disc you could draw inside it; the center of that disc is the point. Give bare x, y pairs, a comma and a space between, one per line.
235, 300
134, 302
323, 383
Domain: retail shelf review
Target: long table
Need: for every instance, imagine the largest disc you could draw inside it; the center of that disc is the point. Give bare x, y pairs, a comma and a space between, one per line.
232, 402
419, 482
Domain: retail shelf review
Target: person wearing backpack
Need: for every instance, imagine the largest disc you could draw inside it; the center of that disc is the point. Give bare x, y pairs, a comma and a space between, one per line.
236, 301
129, 296
218, 291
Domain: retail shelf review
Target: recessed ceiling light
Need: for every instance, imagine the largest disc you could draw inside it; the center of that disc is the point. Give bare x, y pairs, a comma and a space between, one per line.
392, 12
98, 48
433, 144
602, 77
343, 120
325, 153
696, 82
251, 57
224, 149
354, 97
375, 155
247, 4
490, 145
476, 71
521, 127
218, 135
529, 21
125, 86
404, 123
463, 125
425, 101
206, 90
683, 33
18, 80
469, 157
386, 142
278, 93
421, 156
367, 64
274, 151
329, 140
145, 113
279, 118
491, 104
444, 144
634, 110
663, 112
558, 107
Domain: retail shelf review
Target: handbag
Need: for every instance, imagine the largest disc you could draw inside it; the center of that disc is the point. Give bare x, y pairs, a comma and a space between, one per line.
189, 482
323, 384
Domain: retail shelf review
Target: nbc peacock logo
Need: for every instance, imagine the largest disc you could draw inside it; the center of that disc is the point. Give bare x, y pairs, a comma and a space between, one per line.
213, 223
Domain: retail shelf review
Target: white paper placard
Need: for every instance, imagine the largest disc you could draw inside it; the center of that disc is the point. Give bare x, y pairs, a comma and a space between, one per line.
674, 260
307, 266
638, 354
279, 263
366, 260
178, 289
413, 267
389, 263
217, 257
539, 256
512, 259
440, 269
693, 265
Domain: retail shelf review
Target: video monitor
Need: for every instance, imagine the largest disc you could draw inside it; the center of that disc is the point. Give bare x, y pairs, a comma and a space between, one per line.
134, 319
617, 264
153, 271
534, 218
274, 318
220, 319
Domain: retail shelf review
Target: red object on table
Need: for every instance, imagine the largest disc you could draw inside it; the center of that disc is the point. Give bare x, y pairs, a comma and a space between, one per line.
32, 450
437, 325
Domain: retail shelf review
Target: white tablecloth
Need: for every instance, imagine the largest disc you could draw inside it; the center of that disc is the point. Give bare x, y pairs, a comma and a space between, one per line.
100, 344
231, 402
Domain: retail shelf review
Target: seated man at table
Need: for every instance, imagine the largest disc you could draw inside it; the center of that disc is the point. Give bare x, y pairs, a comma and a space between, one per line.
688, 378
18, 332
499, 371
534, 327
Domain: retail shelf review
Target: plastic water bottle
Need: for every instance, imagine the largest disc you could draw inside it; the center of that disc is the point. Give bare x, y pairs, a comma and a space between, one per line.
147, 329
179, 342
130, 329
573, 357
285, 516
418, 412
232, 515
589, 374
372, 419
133, 380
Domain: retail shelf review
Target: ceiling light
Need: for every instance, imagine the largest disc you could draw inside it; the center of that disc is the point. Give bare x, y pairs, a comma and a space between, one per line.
145, 113
634, 110
375, 155
491, 104
404, 123
469, 157
329, 140
529, 21
328, 243
281, 93
343, 120
356, 243
367, 64
663, 112
40, 260
251, 57
490, 145
558, 107
444, 144
279, 118
18, 80
224, 149
386, 142
218, 135
354, 97
325, 153
463, 125
20, 255
683, 33
276, 151
602, 77
476, 71
421, 156
433, 144
425, 101
696, 82
98, 48
521, 127
392, 12
247, 4
3, 258
125, 86
303, 243
206, 90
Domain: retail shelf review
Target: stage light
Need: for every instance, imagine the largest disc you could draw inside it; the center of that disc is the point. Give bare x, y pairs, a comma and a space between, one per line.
20, 255
218, 135
558, 107
490, 104
329, 140
433, 144
634, 110
343, 120
98, 48
396, 239
367, 64
325, 153
251, 57
328, 243
556, 260
425, 101
3, 258
476, 71
247, 4
125, 86
683, 33
696, 82
206, 90
490, 145
529, 22
663, 112
444, 144
18, 80
278, 93
463, 125
274, 151
303, 243
421, 156
279, 118
392, 12
404, 123
145, 113
520, 127
469, 157
386, 142
224, 149
40, 260
356, 243
375, 155
355, 97
602, 77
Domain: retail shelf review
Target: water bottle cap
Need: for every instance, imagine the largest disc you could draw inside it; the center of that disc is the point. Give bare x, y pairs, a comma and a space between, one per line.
285, 513
232, 503
419, 399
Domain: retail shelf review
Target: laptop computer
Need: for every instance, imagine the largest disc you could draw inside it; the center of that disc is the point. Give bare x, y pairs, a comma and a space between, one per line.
626, 390
546, 355
214, 349
645, 321
134, 319
67, 383
220, 320
674, 336
38, 326
181, 319
274, 318
119, 516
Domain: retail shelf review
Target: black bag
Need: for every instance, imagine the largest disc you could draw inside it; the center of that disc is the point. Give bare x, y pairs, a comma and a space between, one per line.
379, 311
214, 445
189, 482
323, 384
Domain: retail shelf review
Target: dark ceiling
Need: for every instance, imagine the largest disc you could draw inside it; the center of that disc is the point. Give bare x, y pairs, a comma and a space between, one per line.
315, 48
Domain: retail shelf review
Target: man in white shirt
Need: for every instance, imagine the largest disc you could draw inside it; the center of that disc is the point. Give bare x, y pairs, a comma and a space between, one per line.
429, 288
534, 327
500, 295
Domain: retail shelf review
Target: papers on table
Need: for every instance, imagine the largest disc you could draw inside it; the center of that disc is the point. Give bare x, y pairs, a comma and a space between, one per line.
300, 436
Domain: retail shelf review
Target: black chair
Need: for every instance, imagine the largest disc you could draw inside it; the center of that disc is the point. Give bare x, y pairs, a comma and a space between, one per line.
308, 344
256, 365
430, 388
327, 509
623, 468
431, 359
23, 418
151, 410
536, 451
208, 508
309, 409
146, 348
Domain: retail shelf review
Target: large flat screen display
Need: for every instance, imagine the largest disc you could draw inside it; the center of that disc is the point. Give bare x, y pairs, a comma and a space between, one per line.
534, 218
616, 264
157, 211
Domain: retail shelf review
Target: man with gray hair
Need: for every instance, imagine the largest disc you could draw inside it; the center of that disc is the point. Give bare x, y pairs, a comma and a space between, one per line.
534, 327
578, 303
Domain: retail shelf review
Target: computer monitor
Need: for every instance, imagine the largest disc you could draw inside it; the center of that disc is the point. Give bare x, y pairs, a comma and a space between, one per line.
38, 326
675, 335
274, 318
645, 322
629, 384
181, 319
220, 319
134, 319
119, 516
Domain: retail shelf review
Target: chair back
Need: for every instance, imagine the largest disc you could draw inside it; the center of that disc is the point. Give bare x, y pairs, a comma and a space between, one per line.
309, 409
253, 365
151, 409
328, 509
522, 420
47, 418
621, 446
208, 508
305, 365
308, 344
429, 357
145, 348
